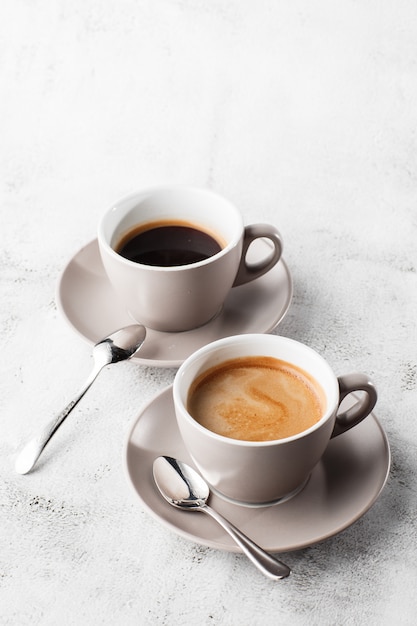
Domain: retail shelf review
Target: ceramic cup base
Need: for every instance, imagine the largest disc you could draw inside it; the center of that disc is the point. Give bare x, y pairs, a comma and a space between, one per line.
215, 316
260, 505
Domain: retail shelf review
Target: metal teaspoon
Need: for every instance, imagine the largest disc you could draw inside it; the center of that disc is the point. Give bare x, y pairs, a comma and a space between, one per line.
184, 488
119, 346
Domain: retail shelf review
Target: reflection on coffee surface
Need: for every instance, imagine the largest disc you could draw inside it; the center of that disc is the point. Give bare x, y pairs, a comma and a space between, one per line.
168, 244
256, 399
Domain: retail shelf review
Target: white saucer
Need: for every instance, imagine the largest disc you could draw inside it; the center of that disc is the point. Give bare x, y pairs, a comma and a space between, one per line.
342, 487
86, 299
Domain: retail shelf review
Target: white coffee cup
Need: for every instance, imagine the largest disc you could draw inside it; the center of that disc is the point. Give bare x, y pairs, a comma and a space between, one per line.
182, 297
265, 472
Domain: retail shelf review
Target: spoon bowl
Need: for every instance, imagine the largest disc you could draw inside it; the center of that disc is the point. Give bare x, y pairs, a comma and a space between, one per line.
185, 489
119, 346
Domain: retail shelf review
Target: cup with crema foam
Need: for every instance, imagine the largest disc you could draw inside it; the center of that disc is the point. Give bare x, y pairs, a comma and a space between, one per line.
172, 254
256, 413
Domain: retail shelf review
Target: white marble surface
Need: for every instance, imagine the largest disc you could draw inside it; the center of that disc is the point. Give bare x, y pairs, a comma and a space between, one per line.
305, 115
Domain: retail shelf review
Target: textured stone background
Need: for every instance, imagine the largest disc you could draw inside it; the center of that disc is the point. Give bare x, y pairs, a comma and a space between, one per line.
305, 115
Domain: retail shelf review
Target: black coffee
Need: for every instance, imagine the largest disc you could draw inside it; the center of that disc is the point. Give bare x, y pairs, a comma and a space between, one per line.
167, 245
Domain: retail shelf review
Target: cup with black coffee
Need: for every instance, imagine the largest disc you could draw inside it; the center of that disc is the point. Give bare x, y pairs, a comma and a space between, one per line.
173, 254
256, 413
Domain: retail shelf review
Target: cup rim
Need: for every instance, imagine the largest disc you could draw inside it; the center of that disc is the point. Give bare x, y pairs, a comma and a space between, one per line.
232, 340
141, 194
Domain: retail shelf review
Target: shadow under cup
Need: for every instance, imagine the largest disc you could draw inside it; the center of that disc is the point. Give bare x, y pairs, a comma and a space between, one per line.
258, 473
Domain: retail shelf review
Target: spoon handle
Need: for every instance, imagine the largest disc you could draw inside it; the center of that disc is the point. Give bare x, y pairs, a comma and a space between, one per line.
269, 565
31, 452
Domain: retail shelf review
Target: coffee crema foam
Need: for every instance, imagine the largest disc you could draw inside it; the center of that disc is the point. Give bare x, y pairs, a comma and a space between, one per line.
256, 399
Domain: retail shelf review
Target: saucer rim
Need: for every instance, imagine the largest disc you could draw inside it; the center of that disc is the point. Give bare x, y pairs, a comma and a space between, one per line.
204, 541
169, 363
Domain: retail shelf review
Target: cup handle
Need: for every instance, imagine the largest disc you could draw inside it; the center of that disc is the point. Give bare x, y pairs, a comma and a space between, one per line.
348, 384
248, 272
